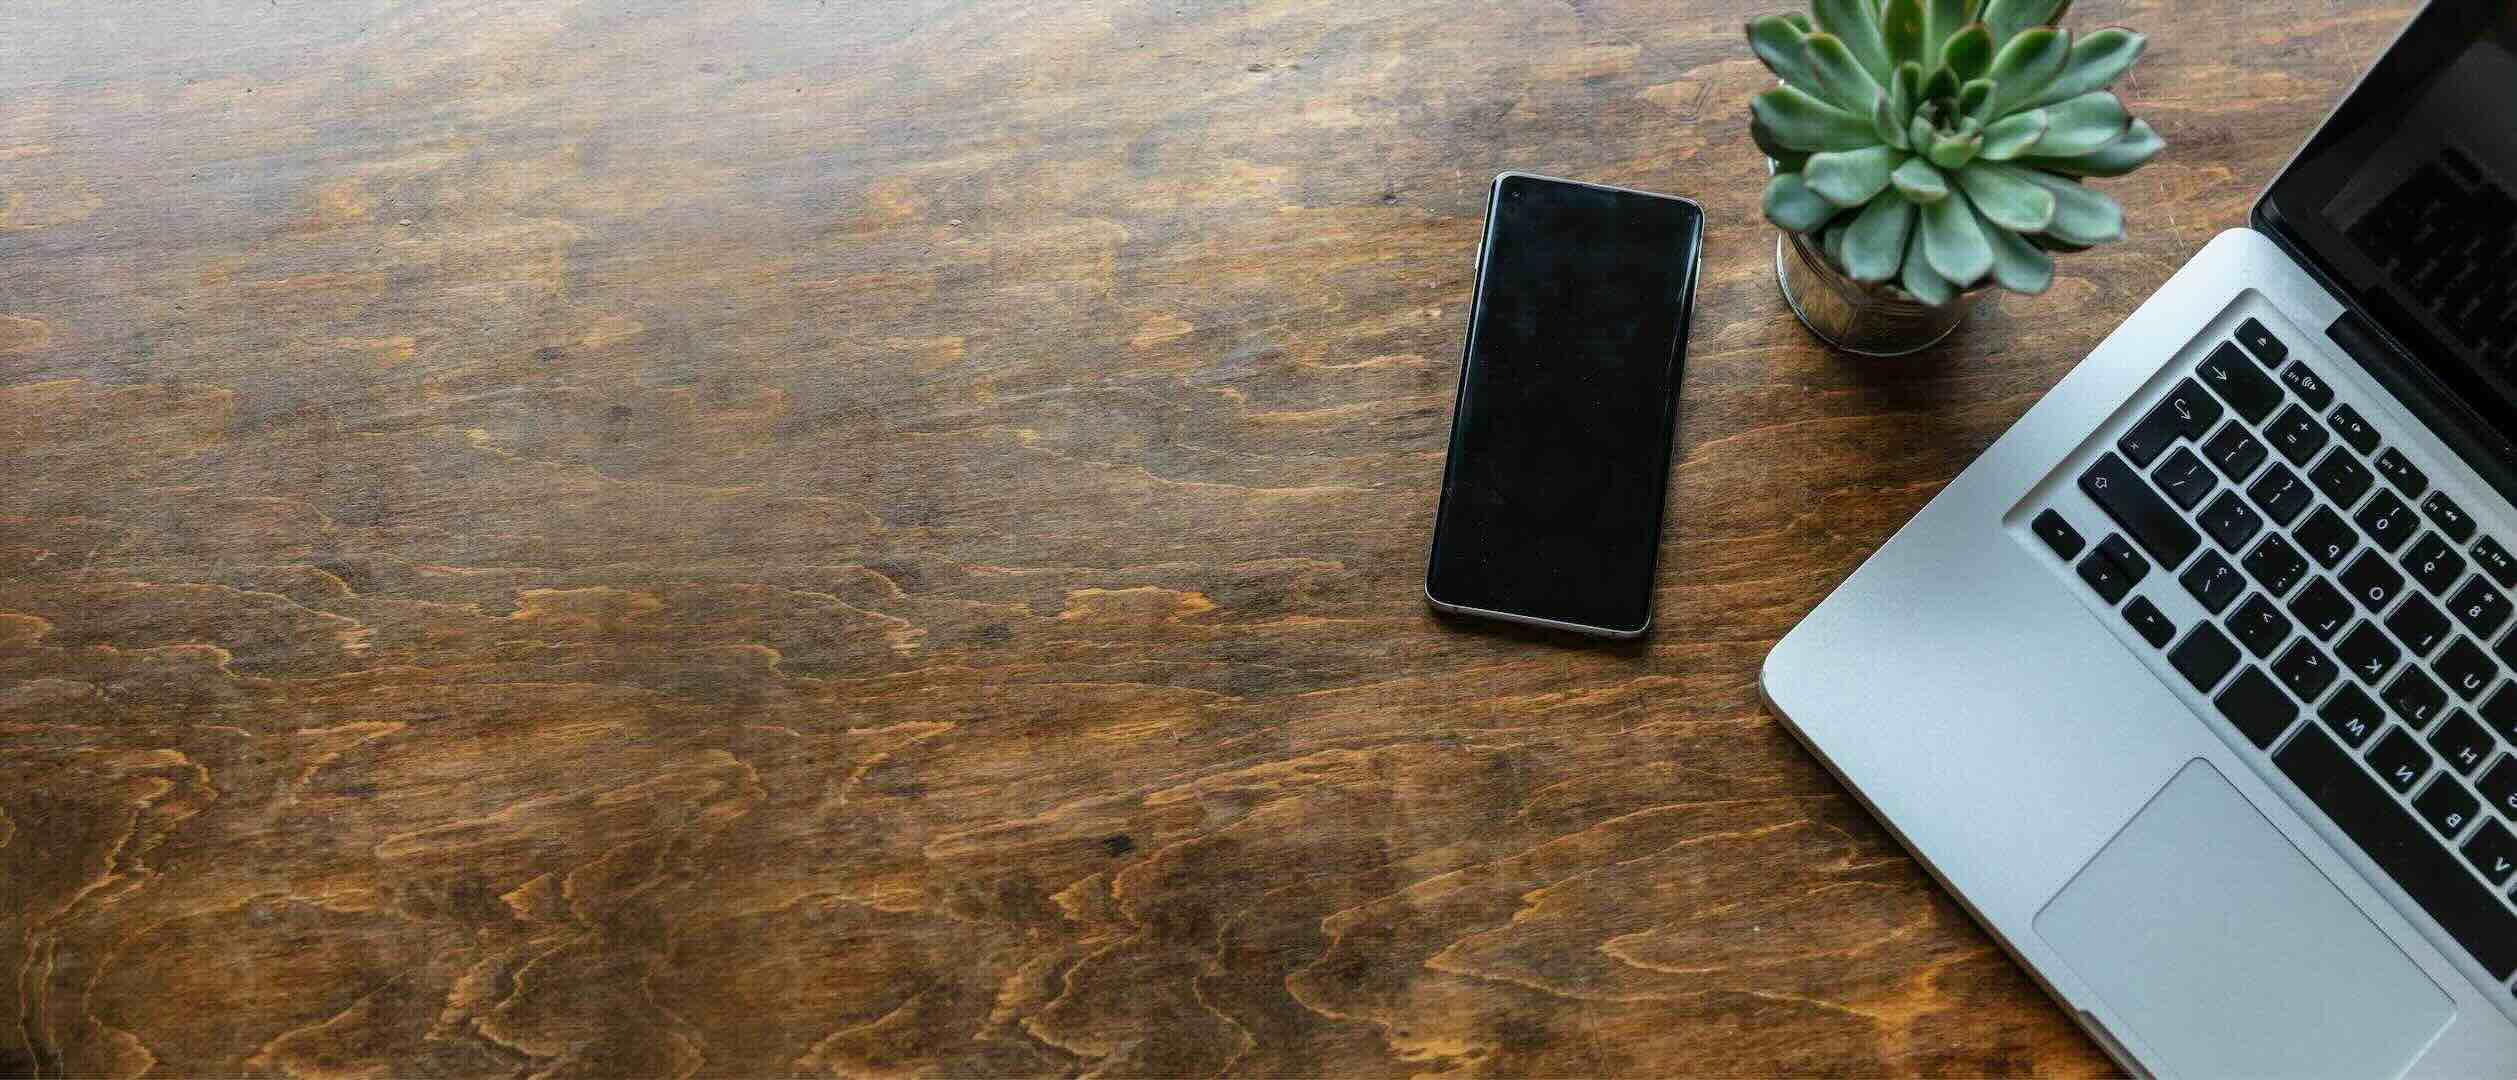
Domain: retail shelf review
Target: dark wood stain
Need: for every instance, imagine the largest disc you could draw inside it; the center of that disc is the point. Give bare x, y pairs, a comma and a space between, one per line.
883, 538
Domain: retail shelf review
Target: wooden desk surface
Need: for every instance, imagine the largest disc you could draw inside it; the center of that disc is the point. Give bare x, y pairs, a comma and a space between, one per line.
884, 538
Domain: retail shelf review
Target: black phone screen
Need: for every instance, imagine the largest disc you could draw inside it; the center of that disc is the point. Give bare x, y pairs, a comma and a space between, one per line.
1568, 401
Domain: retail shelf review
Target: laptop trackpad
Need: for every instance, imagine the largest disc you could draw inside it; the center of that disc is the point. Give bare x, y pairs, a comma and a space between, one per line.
2229, 954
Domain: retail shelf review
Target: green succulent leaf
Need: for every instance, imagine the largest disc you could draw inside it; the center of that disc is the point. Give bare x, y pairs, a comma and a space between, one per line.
1842, 81
2096, 61
1849, 178
2082, 124
1954, 243
1919, 182
1920, 279
1905, 91
2134, 148
1790, 204
2009, 18
1974, 98
2006, 200
1800, 21
1902, 29
1832, 241
1856, 22
2081, 215
1943, 83
1785, 158
1883, 123
1953, 150
1969, 52
2011, 135
2025, 64
1941, 22
2017, 264
1919, 134
1800, 122
1778, 43
1875, 244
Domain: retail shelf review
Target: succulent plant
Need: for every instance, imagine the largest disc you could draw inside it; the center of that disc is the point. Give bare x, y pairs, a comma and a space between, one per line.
1938, 144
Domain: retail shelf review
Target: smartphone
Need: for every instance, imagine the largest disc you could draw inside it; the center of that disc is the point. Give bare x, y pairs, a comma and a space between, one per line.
1561, 436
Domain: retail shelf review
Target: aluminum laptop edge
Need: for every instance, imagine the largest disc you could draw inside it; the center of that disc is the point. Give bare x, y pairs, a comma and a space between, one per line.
2160, 870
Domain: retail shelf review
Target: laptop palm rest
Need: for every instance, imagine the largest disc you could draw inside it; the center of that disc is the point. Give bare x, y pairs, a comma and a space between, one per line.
2274, 971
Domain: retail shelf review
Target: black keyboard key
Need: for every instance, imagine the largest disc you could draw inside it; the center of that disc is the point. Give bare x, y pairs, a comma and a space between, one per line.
2260, 341
2186, 413
2281, 494
2448, 806
2121, 553
2462, 743
2321, 609
2204, 657
2259, 625
2276, 566
2500, 713
2417, 623
2135, 505
2480, 607
2351, 715
2256, 708
2415, 699
2400, 760
2499, 786
2497, 562
2326, 537
2230, 521
2185, 479
2058, 534
2494, 852
2105, 577
2402, 473
2342, 478
2235, 451
2353, 429
2434, 564
2506, 650
2305, 669
2307, 386
2396, 841
2148, 621
2372, 582
2387, 521
2449, 517
2236, 379
2368, 652
2213, 582
2466, 670
2297, 435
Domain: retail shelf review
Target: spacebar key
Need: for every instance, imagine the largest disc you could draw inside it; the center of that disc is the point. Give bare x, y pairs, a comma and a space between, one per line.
2395, 841
2141, 510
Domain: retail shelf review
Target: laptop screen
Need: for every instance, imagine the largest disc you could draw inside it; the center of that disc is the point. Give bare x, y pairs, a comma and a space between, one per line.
2407, 200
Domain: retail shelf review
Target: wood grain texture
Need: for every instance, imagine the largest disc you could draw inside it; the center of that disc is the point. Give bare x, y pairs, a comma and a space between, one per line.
884, 539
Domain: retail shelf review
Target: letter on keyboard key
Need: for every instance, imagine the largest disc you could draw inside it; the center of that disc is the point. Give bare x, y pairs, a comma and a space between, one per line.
2462, 743
2396, 841
2256, 707
2501, 713
2447, 806
2351, 715
2204, 657
2322, 609
2371, 582
2236, 379
2415, 698
2419, 624
2467, 671
2399, 760
2493, 850
2499, 786
2369, 653
2326, 537
2138, 507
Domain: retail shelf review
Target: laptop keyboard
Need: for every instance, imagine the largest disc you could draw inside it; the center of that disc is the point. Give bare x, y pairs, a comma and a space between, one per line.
2357, 636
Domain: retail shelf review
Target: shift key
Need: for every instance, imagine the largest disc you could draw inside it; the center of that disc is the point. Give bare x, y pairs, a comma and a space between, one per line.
2153, 521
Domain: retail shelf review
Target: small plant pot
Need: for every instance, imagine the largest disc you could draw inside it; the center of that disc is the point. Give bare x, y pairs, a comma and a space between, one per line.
1873, 320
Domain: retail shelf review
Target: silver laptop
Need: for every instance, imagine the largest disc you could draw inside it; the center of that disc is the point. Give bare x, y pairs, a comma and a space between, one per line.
2199, 688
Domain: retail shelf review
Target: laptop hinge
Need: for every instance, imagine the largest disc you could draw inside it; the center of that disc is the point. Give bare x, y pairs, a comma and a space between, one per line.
2472, 440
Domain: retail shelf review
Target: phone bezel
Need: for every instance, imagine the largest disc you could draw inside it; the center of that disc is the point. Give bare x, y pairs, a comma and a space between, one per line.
1669, 420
